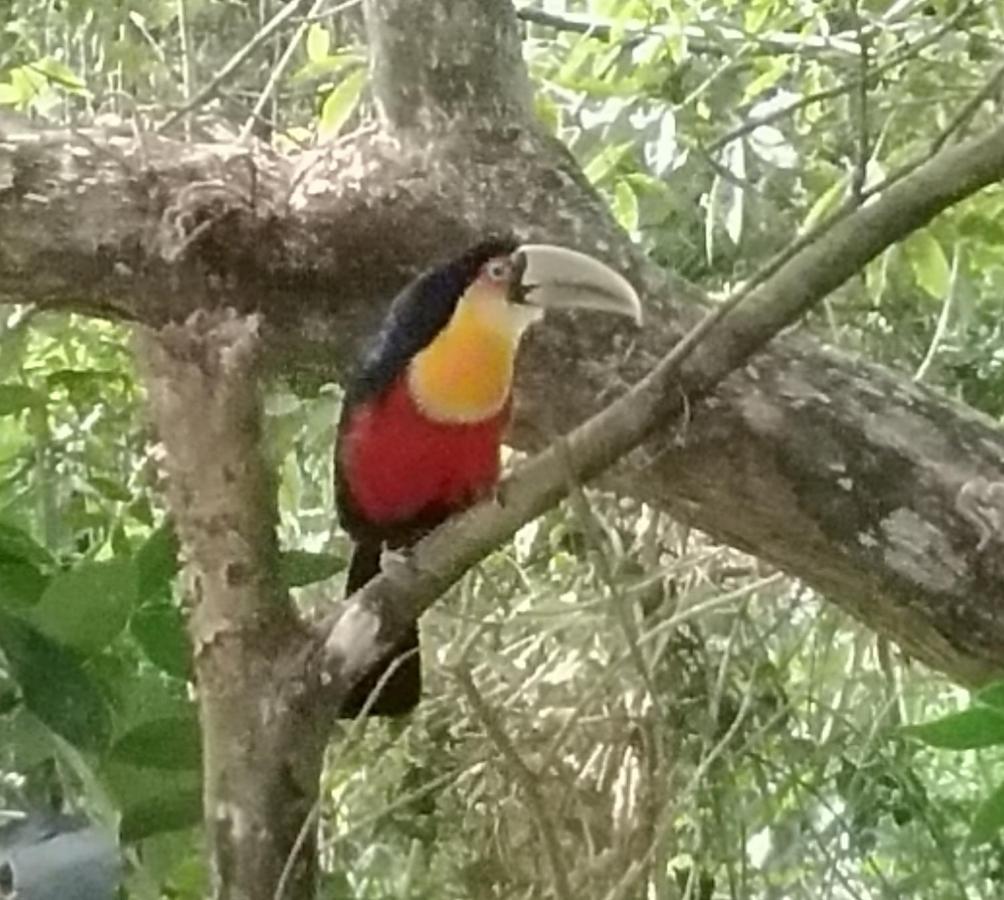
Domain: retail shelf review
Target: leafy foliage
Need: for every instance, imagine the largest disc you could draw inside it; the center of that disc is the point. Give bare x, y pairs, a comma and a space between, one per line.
695, 724
981, 725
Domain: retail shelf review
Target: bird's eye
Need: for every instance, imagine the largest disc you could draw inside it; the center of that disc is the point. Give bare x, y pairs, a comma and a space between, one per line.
498, 269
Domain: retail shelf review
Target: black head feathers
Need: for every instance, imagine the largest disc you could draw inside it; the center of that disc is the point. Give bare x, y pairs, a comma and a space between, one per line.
419, 312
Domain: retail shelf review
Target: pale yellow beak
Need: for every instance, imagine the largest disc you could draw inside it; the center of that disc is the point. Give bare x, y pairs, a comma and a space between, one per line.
558, 278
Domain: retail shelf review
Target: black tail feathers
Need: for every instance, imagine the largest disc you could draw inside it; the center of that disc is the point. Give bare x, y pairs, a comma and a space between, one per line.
403, 687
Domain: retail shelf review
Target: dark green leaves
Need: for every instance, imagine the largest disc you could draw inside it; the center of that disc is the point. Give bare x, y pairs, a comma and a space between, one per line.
157, 563
159, 629
88, 606
171, 743
300, 567
979, 726
982, 725
54, 685
21, 585
15, 398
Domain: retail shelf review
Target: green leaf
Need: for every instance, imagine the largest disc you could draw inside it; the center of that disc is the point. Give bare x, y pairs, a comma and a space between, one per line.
604, 163
15, 398
55, 687
930, 265
626, 206
86, 607
157, 563
775, 70
18, 546
341, 103
735, 197
21, 584
989, 818
171, 811
61, 74
825, 203
980, 726
159, 629
992, 695
172, 743
110, 489
153, 801
327, 66
9, 95
300, 567
318, 42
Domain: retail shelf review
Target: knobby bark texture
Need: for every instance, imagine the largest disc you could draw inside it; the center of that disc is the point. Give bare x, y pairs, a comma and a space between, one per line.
262, 746
876, 491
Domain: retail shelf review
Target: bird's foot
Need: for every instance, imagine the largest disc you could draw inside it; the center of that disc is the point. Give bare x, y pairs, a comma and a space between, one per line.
396, 564
498, 494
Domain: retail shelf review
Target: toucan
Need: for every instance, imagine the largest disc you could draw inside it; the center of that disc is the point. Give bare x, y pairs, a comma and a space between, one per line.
422, 420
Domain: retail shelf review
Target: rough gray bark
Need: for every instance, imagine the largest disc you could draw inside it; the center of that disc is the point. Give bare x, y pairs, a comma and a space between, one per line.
262, 744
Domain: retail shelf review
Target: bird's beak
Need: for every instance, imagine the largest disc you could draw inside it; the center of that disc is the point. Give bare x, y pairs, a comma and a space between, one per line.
558, 278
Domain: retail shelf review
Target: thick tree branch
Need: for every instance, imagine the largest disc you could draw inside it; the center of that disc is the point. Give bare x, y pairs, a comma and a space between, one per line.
904, 535
468, 68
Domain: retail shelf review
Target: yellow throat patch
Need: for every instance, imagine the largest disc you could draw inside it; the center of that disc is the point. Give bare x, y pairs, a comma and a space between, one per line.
464, 375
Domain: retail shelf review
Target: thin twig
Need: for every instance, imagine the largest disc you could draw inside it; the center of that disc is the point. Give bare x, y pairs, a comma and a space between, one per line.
185, 37
281, 66
525, 777
355, 729
838, 90
621, 606
863, 137
962, 117
942, 326
234, 63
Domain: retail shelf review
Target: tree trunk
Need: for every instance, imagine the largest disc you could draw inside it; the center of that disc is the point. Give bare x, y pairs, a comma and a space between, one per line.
261, 746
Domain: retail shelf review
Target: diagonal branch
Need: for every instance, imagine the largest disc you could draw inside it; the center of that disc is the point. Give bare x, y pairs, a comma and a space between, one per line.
378, 614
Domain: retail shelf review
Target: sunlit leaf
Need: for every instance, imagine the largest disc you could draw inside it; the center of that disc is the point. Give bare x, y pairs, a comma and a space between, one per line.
61, 74
318, 42
604, 163
327, 66
734, 158
341, 103
989, 818
626, 206
979, 726
825, 204
929, 263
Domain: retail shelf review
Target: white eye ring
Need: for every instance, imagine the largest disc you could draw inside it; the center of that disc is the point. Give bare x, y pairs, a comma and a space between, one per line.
498, 269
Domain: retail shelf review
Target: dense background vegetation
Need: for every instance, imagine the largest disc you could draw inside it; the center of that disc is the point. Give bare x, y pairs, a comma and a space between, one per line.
612, 681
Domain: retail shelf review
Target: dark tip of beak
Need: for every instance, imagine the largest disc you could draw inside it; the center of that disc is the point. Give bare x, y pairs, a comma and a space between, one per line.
519, 292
